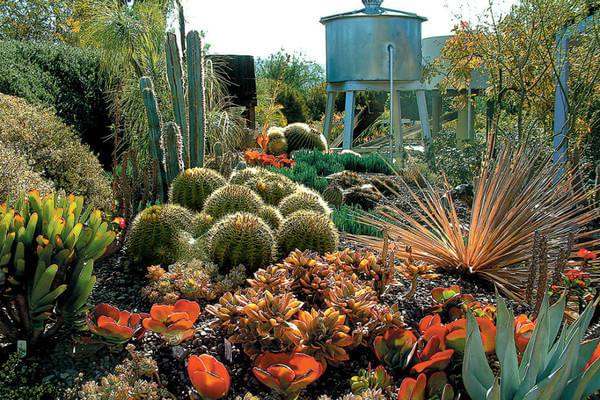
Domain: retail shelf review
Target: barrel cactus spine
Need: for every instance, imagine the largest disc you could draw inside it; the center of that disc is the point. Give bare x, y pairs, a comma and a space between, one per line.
307, 230
304, 199
277, 142
241, 239
192, 187
230, 199
301, 136
271, 216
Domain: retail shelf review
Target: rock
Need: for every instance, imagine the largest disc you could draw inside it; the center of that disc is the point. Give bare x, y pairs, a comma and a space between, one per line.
366, 196
346, 179
464, 193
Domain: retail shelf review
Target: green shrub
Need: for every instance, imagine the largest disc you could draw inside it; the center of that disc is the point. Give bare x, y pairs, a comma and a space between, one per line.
17, 176
327, 164
307, 230
294, 104
303, 199
345, 219
316, 101
231, 199
17, 381
304, 174
241, 238
160, 234
54, 150
65, 78
192, 187
459, 164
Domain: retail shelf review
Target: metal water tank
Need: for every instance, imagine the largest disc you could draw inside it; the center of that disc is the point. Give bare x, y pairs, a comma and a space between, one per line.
358, 44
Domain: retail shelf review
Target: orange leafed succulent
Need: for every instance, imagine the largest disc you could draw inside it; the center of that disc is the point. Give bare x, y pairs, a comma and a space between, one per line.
174, 322
325, 335
114, 325
587, 254
287, 374
209, 376
254, 157
523, 330
394, 347
457, 334
413, 389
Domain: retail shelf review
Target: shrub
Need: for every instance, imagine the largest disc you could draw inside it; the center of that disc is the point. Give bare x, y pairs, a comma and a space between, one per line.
304, 174
241, 238
459, 164
307, 230
65, 78
192, 187
54, 150
16, 381
294, 104
158, 234
231, 199
346, 220
303, 199
17, 176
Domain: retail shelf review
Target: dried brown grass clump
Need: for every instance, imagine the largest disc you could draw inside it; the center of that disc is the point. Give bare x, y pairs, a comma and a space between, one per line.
516, 194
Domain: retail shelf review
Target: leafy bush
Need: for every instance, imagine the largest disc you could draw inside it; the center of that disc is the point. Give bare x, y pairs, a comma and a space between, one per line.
54, 150
16, 381
17, 176
63, 77
459, 164
294, 105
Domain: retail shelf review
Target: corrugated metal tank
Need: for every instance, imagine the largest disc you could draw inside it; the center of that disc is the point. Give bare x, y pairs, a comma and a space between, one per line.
358, 44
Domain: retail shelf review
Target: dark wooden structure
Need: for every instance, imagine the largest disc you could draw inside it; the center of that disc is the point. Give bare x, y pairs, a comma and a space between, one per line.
240, 77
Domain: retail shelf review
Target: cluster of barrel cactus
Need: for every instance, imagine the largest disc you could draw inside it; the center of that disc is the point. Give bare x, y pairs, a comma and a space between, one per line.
47, 251
296, 136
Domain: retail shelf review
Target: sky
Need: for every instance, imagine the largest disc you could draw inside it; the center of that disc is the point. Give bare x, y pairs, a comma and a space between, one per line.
261, 27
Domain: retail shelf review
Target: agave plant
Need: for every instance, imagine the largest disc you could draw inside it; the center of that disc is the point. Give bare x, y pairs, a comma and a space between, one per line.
516, 194
552, 367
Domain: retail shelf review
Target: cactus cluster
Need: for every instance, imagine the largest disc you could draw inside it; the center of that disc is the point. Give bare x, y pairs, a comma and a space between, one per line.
241, 238
179, 144
47, 251
277, 142
270, 186
271, 216
307, 230
304, 199
160, 234
301, 136
192, 187
231, 199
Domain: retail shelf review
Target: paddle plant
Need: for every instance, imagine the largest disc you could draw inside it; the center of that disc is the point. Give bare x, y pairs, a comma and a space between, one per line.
48, 246
556, 363
424, 387
209, 377
517, 193
115, 326
175, 323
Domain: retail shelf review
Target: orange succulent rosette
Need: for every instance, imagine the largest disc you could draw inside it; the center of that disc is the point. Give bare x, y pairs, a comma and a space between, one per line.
413, 389
287, 373
174, 322
114, 325
209, 377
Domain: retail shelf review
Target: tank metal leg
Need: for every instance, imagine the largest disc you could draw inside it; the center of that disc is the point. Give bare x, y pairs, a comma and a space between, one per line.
398, 131
349, 120
436, 112
328, 114
424, 116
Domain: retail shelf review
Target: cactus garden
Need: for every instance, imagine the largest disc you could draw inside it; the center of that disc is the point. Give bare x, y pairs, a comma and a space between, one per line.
176, 223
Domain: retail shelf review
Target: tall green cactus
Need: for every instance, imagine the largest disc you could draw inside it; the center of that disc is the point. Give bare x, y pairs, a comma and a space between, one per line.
190, 123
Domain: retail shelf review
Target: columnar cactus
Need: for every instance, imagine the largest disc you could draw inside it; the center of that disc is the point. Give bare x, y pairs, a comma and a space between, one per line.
187, 142
241, 238
192, 187
47, 251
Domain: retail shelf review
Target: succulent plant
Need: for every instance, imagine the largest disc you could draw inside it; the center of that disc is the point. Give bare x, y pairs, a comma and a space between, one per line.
334, 196
158, 234
47, 251
301, 136
192, 187
303, 199
366, 379
175, 322
353, 300
324, 335
277, 142
394, 347
240, 238
274, 278
115, 326
272, 187
209, 376
556, 363
271, 216
258, 320
231, 199
287, 374
307, 230
423, 387
201, 224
